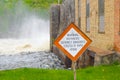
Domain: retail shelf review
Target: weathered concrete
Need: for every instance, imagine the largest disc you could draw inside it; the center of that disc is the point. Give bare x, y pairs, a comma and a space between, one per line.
54, 23
103, 57
67, 14
61, 16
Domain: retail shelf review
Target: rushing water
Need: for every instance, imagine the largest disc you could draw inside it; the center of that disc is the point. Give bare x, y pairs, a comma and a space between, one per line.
23, 30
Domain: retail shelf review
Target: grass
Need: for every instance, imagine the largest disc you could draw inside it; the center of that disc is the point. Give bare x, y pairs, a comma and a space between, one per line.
92, 73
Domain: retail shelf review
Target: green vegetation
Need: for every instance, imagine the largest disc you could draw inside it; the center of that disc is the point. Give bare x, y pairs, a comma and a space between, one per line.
41, 3
34, 4
91, 73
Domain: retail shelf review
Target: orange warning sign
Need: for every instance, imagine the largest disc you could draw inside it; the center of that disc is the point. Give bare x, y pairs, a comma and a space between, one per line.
73, 42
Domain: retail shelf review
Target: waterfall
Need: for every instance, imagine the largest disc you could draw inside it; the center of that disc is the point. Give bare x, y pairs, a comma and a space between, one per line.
22, 29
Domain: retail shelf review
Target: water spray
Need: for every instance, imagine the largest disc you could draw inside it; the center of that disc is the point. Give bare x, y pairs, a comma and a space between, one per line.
24, 29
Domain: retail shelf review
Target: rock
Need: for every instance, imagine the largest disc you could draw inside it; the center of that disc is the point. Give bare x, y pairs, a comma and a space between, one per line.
30, 60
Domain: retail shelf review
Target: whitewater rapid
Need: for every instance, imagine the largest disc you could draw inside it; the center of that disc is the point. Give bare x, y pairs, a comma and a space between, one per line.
14, 46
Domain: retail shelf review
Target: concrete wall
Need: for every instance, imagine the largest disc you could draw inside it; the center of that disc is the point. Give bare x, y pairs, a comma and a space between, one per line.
61, 17
54, 23
67, 14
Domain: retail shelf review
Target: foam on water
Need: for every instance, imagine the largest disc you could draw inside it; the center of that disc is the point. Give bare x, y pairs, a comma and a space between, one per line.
13, 46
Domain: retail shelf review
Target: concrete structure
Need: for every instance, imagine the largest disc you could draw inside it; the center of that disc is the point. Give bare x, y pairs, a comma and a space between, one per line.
100, 20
